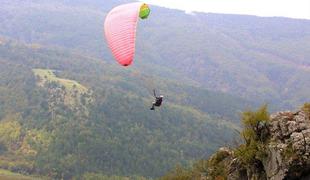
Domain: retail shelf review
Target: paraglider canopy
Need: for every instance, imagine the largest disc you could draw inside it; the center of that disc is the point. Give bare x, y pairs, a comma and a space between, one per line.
120, 30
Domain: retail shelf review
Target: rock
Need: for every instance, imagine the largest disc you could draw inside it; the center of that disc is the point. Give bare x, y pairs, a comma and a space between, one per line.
236, 171
287, 151
273, 164
292, 126
292, 148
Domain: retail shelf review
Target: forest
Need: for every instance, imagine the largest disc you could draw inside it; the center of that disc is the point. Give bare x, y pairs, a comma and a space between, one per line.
54, 129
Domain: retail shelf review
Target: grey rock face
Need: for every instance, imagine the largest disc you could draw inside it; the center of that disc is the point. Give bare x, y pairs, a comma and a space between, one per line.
287, 150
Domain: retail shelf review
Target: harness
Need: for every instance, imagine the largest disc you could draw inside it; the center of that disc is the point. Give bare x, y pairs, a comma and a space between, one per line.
158, 101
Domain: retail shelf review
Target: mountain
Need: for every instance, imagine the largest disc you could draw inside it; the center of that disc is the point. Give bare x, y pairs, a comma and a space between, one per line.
65, 114
260, 59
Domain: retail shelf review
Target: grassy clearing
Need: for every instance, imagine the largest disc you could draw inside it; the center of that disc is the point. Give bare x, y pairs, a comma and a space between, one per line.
48, 75
73, 89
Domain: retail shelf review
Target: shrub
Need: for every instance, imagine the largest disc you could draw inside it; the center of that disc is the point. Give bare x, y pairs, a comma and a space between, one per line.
306, 109
255, 133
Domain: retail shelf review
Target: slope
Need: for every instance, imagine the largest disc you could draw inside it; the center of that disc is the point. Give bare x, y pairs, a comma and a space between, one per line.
116, 134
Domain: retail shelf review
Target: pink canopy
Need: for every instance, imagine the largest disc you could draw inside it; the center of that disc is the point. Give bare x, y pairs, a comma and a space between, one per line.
120, 31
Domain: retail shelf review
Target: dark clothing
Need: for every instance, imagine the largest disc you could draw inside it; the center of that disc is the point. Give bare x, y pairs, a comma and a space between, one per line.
157, 102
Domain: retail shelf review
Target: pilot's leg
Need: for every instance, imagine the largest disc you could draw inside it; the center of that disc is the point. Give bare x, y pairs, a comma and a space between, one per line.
153, 107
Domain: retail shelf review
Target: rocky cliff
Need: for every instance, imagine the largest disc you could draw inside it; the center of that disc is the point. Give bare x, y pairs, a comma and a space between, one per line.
276, 148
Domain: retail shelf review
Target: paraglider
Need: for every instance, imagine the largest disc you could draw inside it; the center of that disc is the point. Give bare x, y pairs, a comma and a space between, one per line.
120, 30
158, 101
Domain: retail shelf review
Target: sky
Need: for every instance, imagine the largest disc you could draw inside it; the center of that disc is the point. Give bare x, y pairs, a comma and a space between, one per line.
267, 8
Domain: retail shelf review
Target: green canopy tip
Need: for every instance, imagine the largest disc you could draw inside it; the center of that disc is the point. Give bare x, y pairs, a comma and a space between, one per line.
144, 11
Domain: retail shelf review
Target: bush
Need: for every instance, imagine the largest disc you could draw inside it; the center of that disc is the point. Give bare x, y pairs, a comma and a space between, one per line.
306, 109
255, 133
216, 165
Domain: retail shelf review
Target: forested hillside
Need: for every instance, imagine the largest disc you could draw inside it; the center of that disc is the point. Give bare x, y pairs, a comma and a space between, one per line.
261, 59
65, 114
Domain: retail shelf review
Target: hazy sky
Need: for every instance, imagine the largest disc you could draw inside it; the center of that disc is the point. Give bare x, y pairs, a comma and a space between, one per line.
285, 8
